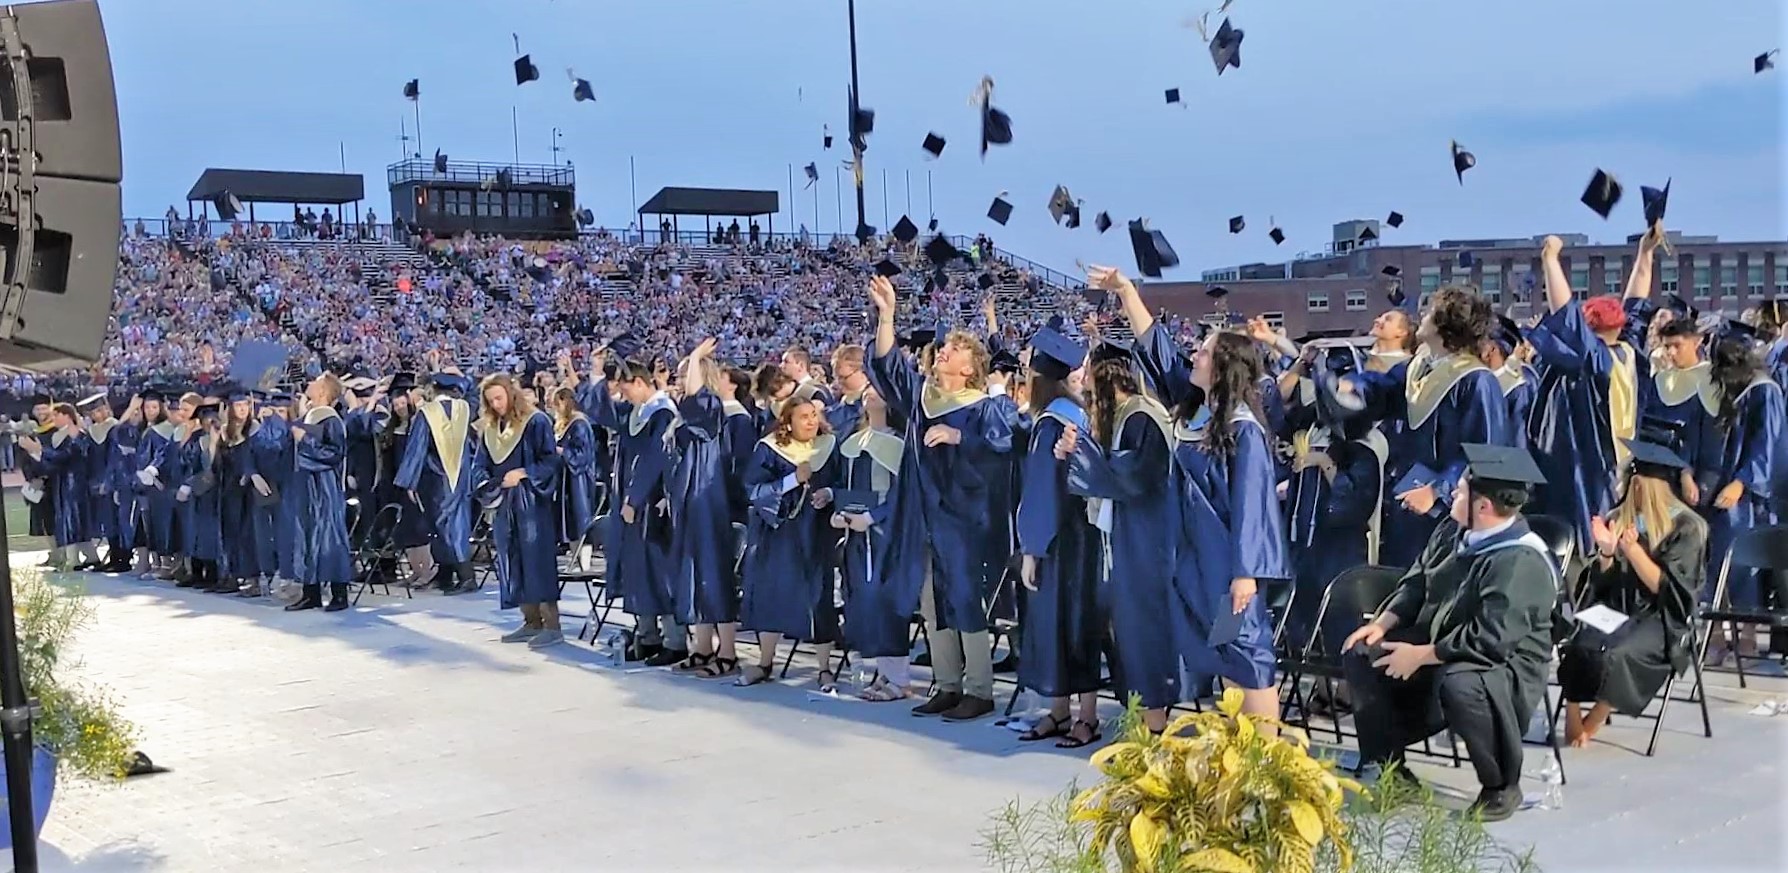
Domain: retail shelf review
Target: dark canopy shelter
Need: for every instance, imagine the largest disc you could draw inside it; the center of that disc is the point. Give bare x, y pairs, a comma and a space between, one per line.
710, 202
276, 186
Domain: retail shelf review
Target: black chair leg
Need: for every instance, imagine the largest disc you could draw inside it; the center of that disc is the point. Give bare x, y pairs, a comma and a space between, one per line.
1552, 738
1701, 698
790, 660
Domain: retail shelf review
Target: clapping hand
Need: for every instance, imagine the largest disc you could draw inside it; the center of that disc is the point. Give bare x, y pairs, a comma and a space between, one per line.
1603, 536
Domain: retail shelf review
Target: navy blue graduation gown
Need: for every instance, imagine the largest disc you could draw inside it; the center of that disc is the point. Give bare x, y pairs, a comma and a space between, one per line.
1333, 524
1003, 495
843, 414
1520, 384
1689, 403
120, 474
586, 394
639, 554
41, 512
445, 495
704, 579
1775, 362
524, 528
64, 471
362, 463
414, 527
320, 551
201, 515
271, 456
160, 523
242, 551
1141, 548
787, 571
739, 435
1064, 632
876, 616
1754, 451
942, 523
1572, 429
97, 447
577, 481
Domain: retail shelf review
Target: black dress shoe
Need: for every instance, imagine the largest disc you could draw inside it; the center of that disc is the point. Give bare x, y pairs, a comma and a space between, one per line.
940, 703
667, 657
303, 604
336, 605
1496, 804
644, 651
969, 708
1008, 664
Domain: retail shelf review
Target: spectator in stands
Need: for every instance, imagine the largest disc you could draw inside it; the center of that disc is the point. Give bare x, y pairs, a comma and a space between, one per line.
756, 232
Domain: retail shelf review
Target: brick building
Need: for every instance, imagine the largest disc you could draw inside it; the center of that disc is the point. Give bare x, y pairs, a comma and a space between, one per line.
1344, 285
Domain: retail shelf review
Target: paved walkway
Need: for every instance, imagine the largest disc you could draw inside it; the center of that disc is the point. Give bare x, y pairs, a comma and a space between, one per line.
402, 737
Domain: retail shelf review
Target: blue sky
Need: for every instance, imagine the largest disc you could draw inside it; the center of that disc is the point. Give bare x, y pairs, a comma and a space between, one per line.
1340, 110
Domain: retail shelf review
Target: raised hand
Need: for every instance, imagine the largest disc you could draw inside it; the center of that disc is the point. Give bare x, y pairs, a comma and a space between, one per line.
881, 293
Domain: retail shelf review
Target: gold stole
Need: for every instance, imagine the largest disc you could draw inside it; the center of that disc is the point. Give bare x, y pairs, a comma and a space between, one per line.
1677, 386
57, 437
100, 430
1510, 377
1623, 399
1382, 362
449, 419
163, 429
559, 430
936, 403
733, 407
500, 441
1429, 381
884, 448
1381, 449
813, 454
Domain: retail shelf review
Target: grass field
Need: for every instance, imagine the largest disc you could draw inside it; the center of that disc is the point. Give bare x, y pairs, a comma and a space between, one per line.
18, 517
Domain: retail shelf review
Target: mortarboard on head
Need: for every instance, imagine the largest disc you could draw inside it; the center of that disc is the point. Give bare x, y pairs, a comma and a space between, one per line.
412, 89
1055, 355
1216, 292
227, 205
581, 90
152, 392
91, 401
1603, 192
941, 251
1738, 331
1462, 161
1173, 95
1000, 211
934, 144
1466, 259
1237, 224
1395, 219
1004, 362
1226, 47
865, 231
1675, 303
1503, 469
905, 230
238, 394
1153, 252
208, 409
1111, 349
931, 225
1277, 235
280, 397
1367, 234
887, 268
1655, 200
446, 382
1764, 61
1654, 458
401, 382
1506, 333
626, 345
984, 281
525, 71
1060, 201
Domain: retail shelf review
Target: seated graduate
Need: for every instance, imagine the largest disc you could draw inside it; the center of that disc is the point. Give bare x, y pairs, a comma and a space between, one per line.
1650, 561
1062, 557
517, 470
787, 571
1464, 641
874, 621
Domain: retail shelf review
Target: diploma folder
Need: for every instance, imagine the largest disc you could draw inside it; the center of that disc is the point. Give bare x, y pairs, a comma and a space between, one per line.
1417, 476
1226, 627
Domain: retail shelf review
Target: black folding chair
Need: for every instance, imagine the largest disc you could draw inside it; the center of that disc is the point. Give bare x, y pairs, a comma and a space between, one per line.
1351, 599
1561, 540
377, 553
483, 554
1764, 550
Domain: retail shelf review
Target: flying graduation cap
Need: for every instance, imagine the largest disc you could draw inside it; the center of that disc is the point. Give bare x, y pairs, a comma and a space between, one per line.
227, 205
1226, 47
1153, 251
812, 175
1765, 61
1102, 221
525, 71
581, 90
1395, 219
1655, 200
1277, 234
1462, 161
1001, 210
585, 217
412, 89
1173, 96
996, 125
905, 230
1060, 203
934, 144
826, 135
862, 123
1237, 224
1603, 193
440, 161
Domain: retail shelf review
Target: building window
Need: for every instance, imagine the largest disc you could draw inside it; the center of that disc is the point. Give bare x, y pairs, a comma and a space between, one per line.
1492, 282
1430, 281
459, 203
1667, 279
1702, 288
1356, 301
1754, 278
1493, 297
1318, 301
1781, 279
1274, 320
1580, 282
1728, 281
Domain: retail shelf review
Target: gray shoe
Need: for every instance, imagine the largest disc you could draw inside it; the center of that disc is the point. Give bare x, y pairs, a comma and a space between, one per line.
544, 638
521, 634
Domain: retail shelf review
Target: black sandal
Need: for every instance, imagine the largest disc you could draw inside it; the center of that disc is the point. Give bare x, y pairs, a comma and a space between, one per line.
1036, 734
718, 667
824, 686
694, 662
1073, 742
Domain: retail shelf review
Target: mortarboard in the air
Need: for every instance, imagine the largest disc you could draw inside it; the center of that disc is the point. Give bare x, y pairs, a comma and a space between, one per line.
934, 144
440, 161
1237, 224
525, 71
626, 345
412, 89
941, 251
1054, 354
1392, 270
1325, 334
905, 230
257, 362
1501, 466
996, 127
227, 205
1462, 161
1395, 219
1277, 235
865, 231
1654, 458
931, 225
1656, 200
1173, 95
1603, 192
984, 281
1764, 61
1000, 211
1073, 217
1060, 201
1003, 362
826, 136
1466, 259
1153, 252
1216, 292
581, 90
91, 401
1226, 47
1102, 221
887, 268
1367, 234
584, 217
920, 337
1111, 349
812, 172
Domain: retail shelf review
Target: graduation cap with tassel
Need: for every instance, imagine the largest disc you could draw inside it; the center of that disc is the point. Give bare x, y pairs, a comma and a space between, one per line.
996, 125
580, 88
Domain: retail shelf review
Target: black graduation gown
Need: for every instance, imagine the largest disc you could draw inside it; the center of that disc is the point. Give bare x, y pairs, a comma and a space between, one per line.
1627, 669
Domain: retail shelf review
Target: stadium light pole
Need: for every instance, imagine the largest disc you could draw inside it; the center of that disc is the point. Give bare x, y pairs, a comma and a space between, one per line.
858, 92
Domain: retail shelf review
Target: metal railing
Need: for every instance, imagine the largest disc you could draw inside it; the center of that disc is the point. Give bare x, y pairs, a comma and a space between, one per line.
423, 170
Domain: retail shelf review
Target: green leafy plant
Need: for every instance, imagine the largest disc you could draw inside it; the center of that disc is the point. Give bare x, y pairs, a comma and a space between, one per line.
78, 722
1229, 798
